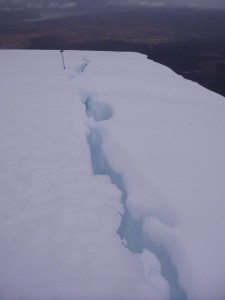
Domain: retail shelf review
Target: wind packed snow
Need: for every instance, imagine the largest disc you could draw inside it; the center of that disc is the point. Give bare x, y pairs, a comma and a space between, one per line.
114, 143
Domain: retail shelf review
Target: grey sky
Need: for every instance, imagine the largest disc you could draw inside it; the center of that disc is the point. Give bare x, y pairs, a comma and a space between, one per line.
69, 4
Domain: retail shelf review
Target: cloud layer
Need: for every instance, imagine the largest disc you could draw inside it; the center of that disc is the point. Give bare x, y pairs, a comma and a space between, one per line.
65, 4
185, 3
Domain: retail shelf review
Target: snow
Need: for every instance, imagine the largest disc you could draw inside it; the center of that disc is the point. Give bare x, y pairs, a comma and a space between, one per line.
112, 179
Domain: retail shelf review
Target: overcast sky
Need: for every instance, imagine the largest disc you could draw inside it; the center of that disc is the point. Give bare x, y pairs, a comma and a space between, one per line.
64, 4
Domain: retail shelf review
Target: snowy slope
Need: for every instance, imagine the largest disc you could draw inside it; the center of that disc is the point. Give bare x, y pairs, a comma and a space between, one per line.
112, 180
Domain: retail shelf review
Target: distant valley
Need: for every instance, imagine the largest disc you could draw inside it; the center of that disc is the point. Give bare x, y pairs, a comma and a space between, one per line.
189, 41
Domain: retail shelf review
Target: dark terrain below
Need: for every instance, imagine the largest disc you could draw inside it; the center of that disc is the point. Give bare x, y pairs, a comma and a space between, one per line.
189, 41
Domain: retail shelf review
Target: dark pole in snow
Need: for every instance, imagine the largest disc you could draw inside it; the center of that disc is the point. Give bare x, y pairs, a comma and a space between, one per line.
63, 59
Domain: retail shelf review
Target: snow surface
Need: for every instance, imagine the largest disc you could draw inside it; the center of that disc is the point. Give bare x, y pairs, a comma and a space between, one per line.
114, 147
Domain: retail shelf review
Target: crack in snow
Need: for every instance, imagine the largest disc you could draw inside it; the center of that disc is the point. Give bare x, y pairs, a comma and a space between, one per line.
81, 68
97, 110
130, 230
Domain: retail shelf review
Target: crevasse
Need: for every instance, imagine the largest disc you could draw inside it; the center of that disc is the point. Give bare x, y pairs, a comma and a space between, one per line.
130, 230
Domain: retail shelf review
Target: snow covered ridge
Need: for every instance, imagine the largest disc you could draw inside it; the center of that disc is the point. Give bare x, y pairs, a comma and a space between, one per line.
111, 180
